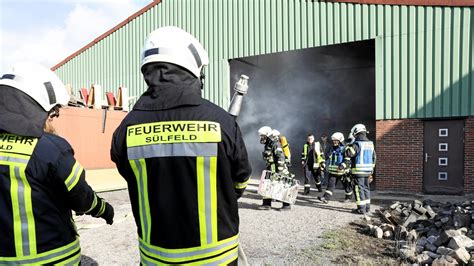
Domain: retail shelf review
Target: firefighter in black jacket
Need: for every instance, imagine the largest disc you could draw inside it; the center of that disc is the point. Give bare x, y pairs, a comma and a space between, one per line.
40, 181
183, 158
274, 161
361, 157
312, 160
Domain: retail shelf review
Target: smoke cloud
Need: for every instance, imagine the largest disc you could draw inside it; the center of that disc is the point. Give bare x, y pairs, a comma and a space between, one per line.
316, 90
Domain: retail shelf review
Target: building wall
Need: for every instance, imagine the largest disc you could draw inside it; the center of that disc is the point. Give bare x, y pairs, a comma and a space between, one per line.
469, 155
424, 54
82, 128
399, 147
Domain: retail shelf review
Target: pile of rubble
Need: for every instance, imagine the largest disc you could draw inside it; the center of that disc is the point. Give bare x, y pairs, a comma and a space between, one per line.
428, 232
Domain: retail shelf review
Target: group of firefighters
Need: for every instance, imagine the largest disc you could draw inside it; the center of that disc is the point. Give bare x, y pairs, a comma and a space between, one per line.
183, 158
350, 161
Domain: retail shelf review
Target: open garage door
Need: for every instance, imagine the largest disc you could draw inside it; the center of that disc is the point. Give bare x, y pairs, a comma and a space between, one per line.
315, 90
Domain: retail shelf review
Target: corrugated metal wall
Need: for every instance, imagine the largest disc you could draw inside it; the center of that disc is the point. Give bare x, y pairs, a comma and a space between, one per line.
424, 55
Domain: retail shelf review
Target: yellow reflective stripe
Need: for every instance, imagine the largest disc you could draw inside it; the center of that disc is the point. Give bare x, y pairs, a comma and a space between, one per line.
29, 212
206, 168
94, 203
213, 184
16, 213
173, 132
13, 159
241, 185
102, 208
201, 199
139, 169
74, 260
45, 257
223, 259
356, 188
74, 176
189, 254
172, 150
17, 144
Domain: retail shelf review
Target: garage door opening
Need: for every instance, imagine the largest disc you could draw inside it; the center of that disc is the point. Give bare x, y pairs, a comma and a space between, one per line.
316, 90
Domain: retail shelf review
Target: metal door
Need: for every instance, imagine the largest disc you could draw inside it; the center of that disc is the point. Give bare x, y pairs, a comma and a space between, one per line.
443, 157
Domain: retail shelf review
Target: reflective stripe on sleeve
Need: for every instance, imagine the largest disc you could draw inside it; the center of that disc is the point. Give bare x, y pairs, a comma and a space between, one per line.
74, 176
242, 185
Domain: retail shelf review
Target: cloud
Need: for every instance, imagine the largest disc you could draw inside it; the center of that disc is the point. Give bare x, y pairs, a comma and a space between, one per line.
85, 21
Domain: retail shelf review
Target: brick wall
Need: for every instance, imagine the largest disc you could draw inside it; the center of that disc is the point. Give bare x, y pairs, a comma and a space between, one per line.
469, 155
399, 147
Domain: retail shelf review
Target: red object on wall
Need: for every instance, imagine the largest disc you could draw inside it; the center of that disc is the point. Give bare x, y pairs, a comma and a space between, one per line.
82, 128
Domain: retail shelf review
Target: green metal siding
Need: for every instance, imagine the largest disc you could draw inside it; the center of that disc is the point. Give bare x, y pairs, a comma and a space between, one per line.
424, 55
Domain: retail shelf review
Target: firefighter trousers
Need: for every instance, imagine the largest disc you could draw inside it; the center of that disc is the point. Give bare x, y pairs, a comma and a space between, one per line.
309, 173
362, 193
333, 179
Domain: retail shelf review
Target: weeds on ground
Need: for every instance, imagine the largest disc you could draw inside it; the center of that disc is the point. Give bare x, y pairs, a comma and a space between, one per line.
334, 241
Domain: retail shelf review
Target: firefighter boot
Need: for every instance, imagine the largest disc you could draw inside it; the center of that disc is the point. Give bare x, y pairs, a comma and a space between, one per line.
285, 207
266, 205
319, 187
306, 190
323, 199
347, 199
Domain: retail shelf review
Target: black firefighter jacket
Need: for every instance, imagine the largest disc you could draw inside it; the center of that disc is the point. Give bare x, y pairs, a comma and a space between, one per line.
40, 182
186, 164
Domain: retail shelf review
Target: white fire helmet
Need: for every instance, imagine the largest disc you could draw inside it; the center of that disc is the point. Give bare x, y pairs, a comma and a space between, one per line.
173, 45
275, 133
38, 82
338, 136
265, 131
357, 129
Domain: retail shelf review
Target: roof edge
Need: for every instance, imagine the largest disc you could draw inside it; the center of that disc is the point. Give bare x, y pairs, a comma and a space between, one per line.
446, 3
107, 33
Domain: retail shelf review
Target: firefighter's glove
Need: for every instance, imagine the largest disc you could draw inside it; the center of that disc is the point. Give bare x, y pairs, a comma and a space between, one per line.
303, 163
315, 166
342, 166
322, 166
108, 214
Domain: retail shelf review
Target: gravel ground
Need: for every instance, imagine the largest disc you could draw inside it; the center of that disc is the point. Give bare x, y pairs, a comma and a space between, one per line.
267, 237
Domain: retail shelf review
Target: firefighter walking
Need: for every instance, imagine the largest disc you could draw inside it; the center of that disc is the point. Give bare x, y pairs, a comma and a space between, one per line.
312, 160
361, 157
274, 158
183, 158
336, 173
40, 180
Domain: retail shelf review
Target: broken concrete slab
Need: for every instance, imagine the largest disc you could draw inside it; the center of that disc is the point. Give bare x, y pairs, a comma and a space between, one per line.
445, 236
378, 232
432, 254
430, 247
424, 258
443, 250
461, 255
461, 241
444, 260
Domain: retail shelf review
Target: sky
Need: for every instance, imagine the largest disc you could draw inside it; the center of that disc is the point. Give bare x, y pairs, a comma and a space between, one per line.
48, 31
